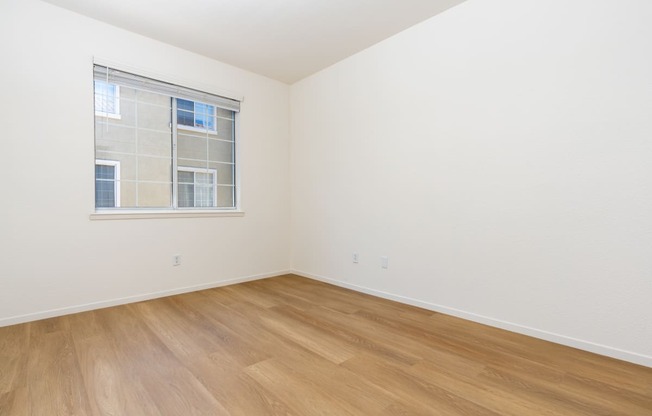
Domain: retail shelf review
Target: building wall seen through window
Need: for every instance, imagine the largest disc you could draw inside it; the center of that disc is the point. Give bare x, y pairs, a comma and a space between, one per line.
135, 132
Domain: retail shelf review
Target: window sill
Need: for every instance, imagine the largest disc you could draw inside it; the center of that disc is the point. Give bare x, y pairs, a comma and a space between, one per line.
137, 215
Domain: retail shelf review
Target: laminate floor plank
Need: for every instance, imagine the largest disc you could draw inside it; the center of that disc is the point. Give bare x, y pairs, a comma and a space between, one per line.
54, 380
354, 338
321, 295
479, 392
389, 338
545, 394
302, 395
414, 392
275, 290
248, 327
109, 387
310, 338
340, 382
291, 346
239, 394
15, 402
14, 340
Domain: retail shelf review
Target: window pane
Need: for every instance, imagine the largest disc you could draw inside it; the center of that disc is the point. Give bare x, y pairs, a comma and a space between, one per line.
204, 116
185, 118
100, 96
203, 178
226, 126
141, 141
110, 99
196, 188
154, 195
204, 196
186, 195
192, 146
186, 177
220, 151
104, 186
225, 173
210, 117
195, 114
106, 97
104, 194
104, 172
225, 196
185, 112
185, 105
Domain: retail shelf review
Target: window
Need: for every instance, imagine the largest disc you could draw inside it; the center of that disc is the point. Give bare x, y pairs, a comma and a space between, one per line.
107, 183
172, 147
195, 115
197, 187
107, 99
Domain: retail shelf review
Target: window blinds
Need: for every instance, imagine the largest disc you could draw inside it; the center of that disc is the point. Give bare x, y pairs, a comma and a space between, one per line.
115, 76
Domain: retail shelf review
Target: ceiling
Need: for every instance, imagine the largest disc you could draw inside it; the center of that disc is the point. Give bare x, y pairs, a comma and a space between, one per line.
286, 40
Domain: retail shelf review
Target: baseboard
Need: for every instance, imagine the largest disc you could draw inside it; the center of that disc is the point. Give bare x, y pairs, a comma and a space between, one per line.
605, 350
130, 299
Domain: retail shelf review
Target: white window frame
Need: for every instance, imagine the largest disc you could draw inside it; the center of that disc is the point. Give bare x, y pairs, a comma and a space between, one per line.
199, 129
116, 102
166, 84
213, 172
116, 180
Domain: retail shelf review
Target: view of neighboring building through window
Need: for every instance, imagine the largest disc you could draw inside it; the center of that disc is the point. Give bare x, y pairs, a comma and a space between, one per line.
196, 187
196, 115
168, 148
107, 99
107, 178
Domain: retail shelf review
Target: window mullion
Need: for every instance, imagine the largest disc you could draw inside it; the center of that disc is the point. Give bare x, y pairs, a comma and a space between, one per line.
175, 164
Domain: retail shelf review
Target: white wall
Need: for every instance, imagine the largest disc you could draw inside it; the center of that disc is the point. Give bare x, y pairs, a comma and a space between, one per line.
500, 155
52, 255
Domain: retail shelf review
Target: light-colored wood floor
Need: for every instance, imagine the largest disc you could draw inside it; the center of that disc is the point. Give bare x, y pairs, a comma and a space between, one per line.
292, 346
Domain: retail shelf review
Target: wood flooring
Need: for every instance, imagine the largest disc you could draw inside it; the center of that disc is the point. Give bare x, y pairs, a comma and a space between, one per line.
293, 346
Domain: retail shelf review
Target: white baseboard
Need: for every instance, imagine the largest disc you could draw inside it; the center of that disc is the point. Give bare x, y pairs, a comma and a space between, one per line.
130, 299
605, 350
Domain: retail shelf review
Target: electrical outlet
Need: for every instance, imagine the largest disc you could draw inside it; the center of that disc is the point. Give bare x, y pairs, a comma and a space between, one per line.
356, 258
384, 262
176, 260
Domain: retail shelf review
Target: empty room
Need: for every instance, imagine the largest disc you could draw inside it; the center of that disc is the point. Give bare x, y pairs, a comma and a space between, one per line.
326, 207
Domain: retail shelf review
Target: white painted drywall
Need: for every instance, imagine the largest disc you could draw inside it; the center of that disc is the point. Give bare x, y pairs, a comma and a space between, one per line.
501, 155
53, 258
